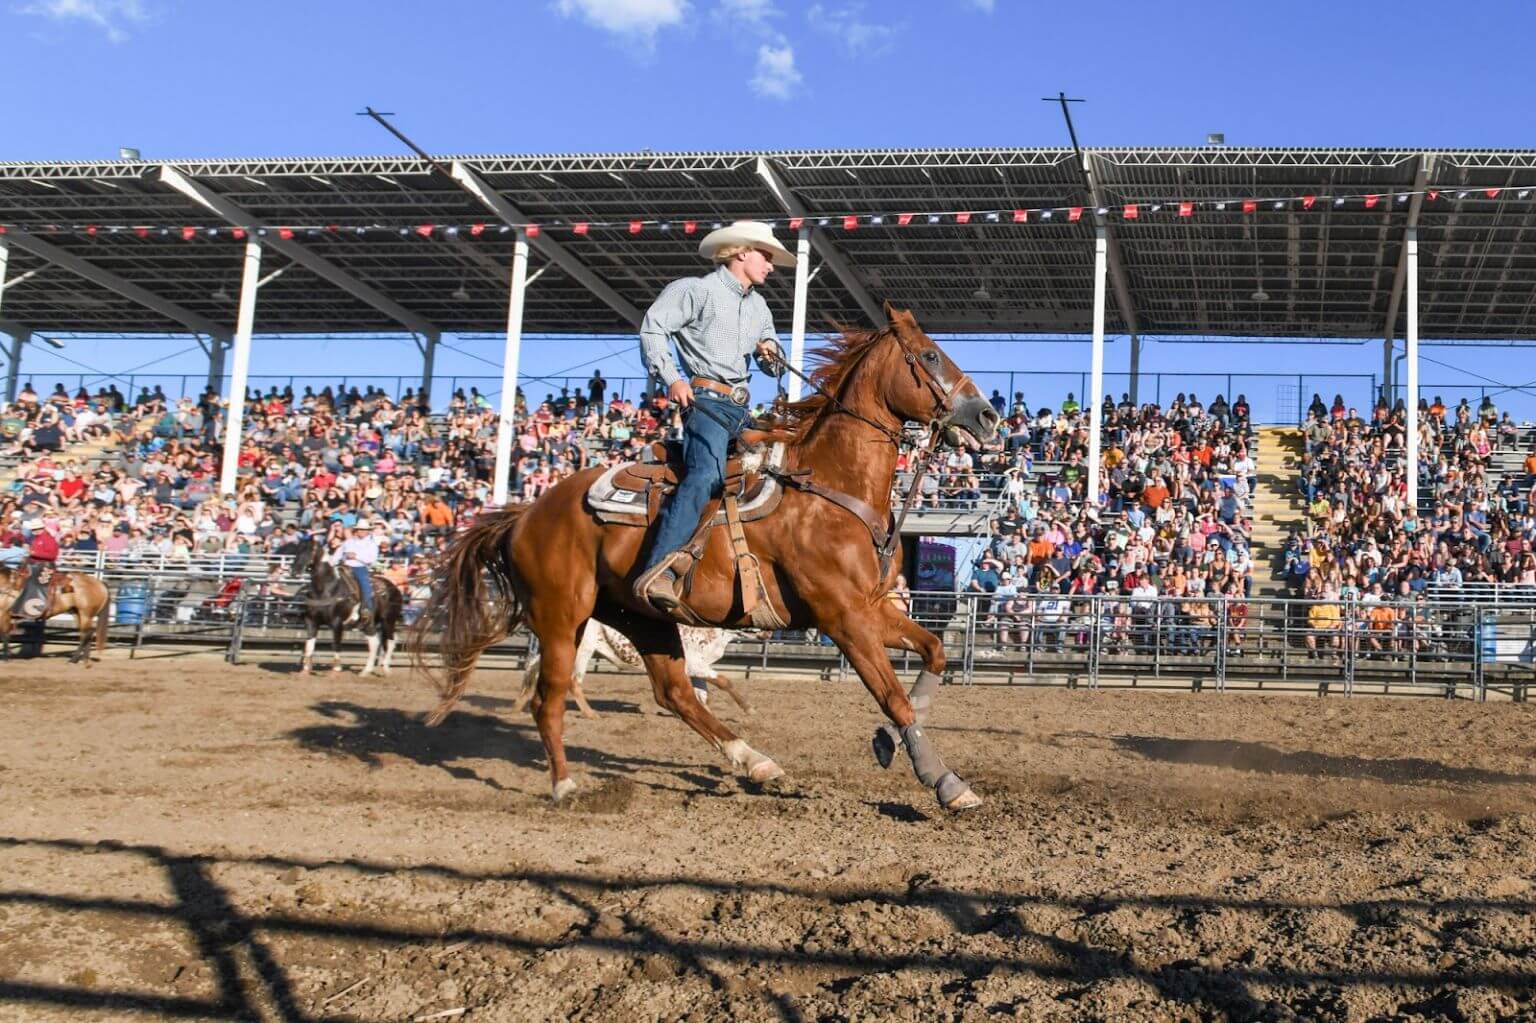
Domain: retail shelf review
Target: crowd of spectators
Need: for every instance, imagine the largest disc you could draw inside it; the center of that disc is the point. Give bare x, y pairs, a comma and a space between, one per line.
1172, 518
1362, 541
313, 462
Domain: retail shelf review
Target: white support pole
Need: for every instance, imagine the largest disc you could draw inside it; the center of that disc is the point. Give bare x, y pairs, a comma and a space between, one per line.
13, 353
506, 428
1411, 395
1135, 389
218, 347
1096, 374
797, 322
234, 412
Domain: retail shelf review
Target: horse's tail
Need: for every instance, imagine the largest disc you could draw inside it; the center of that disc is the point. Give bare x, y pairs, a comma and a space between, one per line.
475, 601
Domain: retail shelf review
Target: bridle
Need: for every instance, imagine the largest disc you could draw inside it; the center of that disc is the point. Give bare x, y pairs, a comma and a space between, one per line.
943, 395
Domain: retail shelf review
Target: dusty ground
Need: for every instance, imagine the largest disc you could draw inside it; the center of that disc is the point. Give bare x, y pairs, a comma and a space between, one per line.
181, 839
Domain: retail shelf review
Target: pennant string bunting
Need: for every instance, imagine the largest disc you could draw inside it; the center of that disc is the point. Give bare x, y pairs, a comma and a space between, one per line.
1131, 211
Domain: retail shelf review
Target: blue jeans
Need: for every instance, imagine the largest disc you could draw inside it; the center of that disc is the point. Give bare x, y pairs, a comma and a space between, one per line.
707, 430
365, 583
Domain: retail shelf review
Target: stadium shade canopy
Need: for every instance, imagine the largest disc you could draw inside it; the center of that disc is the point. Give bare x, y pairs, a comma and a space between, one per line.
1328, 271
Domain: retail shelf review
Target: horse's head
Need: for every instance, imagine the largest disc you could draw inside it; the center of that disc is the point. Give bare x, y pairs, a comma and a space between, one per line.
305, 558
929, 388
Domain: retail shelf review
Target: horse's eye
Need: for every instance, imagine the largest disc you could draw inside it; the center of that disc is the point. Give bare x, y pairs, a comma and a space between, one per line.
931, 356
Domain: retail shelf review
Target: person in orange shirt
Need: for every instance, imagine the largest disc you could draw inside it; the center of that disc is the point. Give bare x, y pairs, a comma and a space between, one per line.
1530, 463
1155, 493
437, 516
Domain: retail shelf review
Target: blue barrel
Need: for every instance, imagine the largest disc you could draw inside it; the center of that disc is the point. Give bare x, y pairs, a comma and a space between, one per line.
131, 602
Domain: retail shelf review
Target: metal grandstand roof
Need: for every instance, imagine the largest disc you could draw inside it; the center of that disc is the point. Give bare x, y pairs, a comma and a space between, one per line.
1329, 271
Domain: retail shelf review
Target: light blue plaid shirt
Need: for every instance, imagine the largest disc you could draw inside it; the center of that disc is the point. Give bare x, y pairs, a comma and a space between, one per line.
716, 323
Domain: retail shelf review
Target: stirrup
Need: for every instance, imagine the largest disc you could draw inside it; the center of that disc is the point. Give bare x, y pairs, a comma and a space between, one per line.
651, 590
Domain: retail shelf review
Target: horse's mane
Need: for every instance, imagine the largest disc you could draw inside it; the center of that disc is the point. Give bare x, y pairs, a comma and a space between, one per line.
832, 362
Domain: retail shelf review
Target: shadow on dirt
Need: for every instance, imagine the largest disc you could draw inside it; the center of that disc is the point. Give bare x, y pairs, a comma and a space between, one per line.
1264, 759
243, 948
369, 733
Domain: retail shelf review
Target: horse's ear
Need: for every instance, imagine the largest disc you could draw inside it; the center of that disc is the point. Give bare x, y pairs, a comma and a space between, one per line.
895, 315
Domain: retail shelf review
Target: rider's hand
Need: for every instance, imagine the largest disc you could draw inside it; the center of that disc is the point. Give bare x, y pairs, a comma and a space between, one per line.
769, 352
681, 393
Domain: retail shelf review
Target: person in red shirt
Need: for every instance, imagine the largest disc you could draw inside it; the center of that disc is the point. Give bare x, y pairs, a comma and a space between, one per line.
32, 602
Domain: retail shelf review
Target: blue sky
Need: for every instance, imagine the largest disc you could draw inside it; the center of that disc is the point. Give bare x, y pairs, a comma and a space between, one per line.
182, 78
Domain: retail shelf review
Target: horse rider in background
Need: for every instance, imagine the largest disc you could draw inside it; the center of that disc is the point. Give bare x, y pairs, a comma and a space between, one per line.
357, 555
716, 321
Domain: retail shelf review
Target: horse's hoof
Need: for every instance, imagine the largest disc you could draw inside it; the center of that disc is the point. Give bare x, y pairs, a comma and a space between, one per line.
955, 795
590, 715
563, 789
885, 744
765, 771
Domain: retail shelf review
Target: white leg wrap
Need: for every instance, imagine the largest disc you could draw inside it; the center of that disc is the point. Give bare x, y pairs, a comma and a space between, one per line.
749, 761
373, 653
309, 654
389, 652
563, 788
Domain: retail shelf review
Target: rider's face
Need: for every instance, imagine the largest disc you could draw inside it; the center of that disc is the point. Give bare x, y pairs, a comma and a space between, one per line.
757, 264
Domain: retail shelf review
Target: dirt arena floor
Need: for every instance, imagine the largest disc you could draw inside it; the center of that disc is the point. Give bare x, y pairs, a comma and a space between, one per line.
180, 839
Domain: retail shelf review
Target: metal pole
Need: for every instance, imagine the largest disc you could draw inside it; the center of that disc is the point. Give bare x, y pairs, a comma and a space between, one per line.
13, 355
428, 357
218, 347
797, 321
13, 364
1135, 369
1095, 413
234, 412
1411, 463
1386, 370
506, 426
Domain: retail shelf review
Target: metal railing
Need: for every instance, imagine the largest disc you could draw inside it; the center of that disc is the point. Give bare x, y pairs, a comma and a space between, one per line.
1422, 647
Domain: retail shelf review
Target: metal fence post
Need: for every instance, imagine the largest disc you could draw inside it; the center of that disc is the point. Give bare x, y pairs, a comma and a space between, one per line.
1096, 610
1222, 625
1479, 679
968, 661
237, 631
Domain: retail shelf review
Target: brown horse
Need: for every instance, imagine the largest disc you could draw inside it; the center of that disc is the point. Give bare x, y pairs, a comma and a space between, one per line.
827, 558
84, 594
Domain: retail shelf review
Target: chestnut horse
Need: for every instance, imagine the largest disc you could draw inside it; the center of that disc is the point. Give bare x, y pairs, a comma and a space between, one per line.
828, 557
84, 594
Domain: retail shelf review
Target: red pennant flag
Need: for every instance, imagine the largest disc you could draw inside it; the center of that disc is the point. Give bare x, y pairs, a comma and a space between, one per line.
1020, 216
580, 228
531, 231
1493, 193
903, 219
1371, 201
333, 228
2, 229
690, 226
285, 233
634, 226
238, 232
1131, 211
962, 218
188, 233
1186, 209
1307, 201
476, 230
1075, 214
142, 232
91, 230
850, 223
1249, 205
1434, 193
425, 230
795, 222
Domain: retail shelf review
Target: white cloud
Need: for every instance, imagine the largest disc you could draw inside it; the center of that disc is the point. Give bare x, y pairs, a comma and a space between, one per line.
846, 23
753, 12
110, 16
636, 18
776, 77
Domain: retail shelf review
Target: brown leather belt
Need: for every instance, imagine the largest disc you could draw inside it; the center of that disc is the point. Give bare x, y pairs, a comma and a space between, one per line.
738, 395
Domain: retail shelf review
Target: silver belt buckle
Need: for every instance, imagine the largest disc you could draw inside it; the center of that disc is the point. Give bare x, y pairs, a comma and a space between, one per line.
739, 395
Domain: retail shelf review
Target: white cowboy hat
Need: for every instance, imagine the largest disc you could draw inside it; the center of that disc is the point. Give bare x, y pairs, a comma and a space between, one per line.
751, 233
362, 523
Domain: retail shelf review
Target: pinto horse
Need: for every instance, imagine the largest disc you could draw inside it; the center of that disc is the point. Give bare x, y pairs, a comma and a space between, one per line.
84, 594
329, 600
828, 555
